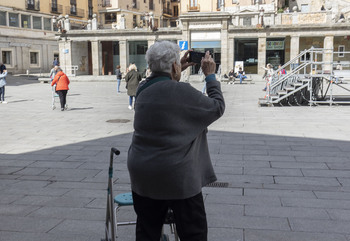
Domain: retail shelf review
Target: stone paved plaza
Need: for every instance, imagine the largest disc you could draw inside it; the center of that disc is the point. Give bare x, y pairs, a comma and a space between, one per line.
288, 168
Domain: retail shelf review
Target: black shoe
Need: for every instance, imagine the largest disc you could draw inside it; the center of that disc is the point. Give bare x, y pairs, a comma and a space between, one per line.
62, 109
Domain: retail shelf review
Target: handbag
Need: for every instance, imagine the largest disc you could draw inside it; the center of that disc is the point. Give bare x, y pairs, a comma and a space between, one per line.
57, 83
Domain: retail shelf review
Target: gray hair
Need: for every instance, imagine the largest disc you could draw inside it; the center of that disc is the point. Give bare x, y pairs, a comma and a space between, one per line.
161, 55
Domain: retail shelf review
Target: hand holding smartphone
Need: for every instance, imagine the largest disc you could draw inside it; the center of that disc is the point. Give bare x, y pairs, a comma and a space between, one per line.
196, 57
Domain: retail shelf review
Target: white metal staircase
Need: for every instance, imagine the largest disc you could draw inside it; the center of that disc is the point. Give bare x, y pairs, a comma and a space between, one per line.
311, 72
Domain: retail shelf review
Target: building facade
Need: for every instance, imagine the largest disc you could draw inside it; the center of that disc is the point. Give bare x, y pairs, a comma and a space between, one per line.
28, 28
249, 32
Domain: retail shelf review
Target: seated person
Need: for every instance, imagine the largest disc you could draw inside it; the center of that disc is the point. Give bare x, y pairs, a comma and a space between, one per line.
232, 75
241, 75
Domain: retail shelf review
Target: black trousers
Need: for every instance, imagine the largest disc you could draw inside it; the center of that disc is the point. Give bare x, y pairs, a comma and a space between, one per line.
63, 97
189, 214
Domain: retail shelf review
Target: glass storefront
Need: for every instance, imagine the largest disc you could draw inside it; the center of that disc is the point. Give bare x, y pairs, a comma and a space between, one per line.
214, 47
246, 51
137, 53
275, 52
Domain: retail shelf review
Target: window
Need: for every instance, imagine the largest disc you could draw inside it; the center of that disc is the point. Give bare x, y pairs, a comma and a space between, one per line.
47, 24
341, 50
193, 3
34, 58
37, 22
25, 21
110, 18
247, 21
151, 6
90, 9
6, 57
218, 4
176, 11
3, 18
73, 7
134, 21
13, 20
54, 7
134, 4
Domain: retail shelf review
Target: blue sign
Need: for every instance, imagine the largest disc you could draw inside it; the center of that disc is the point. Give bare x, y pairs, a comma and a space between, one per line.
183, 45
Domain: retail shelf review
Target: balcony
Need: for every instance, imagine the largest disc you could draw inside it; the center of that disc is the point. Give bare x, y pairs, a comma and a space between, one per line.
167, 11
193, 8
56, 8
32, 5
78, 12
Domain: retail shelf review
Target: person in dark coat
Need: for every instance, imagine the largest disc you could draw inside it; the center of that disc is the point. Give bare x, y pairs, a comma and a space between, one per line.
132, 80
168, 159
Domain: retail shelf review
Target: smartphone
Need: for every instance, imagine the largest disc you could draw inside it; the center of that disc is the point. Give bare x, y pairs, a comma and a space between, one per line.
196, 57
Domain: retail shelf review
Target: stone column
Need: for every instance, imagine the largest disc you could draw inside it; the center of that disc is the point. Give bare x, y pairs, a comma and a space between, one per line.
150, 42
65, 55
231, 53
328, 53
294, 46
124, 55
96, 52
224, 48
186, 36
261, 55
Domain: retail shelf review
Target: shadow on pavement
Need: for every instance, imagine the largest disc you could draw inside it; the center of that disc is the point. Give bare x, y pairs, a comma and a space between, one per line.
61, 191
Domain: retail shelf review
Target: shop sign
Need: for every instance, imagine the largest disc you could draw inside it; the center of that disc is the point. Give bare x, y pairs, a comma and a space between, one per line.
274, 45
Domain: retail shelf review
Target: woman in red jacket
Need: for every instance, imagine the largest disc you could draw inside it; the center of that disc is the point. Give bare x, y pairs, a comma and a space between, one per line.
61, 81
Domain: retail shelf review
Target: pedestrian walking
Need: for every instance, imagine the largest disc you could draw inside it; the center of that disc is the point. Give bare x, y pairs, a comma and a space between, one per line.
168, 159
118, 73
3, 74
267, 75
132, 79
53, 72
61, 81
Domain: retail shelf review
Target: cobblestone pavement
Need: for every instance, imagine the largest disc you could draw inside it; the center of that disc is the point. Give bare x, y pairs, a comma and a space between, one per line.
288, 168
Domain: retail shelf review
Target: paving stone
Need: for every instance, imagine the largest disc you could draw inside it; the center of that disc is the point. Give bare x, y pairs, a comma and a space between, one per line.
316, 203
333, 195
326, 173
322, 226
286, 212
331, 181
272, 171
27, 224
278, 193
68, 212
270, 235
225, 234
29, 236
303, 165
85, 227
338, 214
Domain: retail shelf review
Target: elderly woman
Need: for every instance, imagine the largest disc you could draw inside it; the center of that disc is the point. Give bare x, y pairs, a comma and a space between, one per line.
61, 81
132, 79
168, 159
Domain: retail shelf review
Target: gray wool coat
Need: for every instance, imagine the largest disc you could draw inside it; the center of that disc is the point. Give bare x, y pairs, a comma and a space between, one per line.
132, 79
169, 157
